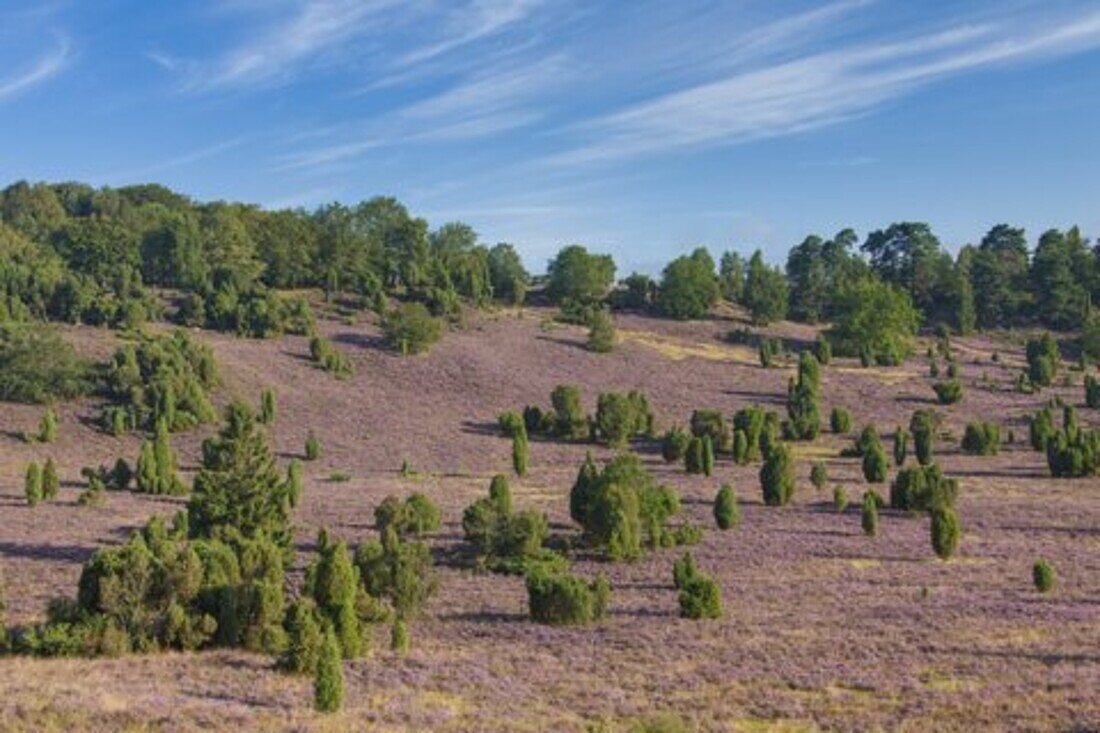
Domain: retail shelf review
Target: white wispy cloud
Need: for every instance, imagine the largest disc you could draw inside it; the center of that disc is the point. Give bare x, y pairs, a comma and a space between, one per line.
45, 68
184, 159
472, 22
817, 89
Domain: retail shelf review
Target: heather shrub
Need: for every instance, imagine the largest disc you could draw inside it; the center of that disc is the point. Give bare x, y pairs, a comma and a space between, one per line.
777, 476
869, 515
32, 484
840, 421
727, 511
923, 488
328, 681
819, 475
570, 420
949, 392
312, 447
51, 483
1042, 575
945, 532
901, 446
561, 599
674, 445
982, 439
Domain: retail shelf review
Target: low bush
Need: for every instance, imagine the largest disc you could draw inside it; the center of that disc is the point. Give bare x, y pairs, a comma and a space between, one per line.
945, 532
411, 329
727, 511
674, 445
840, 499
869, 514
840, 421
415, 516
949, 392
923, 488
819, 475
777, 477
312, 447
1042, 575
561, 599
982, 439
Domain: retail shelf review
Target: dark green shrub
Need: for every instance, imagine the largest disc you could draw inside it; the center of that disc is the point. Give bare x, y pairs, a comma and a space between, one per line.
869, 515
708, 456
1092, 391
1040, 429
520, 453
332, 580
51, 483
840, 421
875, 464
47, 427
777, 476
982, 439
819, 475
740, 447
1042, 575
304, 638
38, 365
1074, 452
399, 637
398, 571
693, 458
840, 499
562, 599
949, 392
571, 422
32, 484
674, 445
156, 466
711, 423
923, 488
416, 515
328, 681
313, 447
823, 350
500, 493
700, 598
727, 511
803, 398
1043, 360
952, 370
267, 406
769, 351
945, 532
512, 424
683, 570
750, 421
325, 355
923, 426
901, 446
536, 421
602, 334
621, 417
410, 328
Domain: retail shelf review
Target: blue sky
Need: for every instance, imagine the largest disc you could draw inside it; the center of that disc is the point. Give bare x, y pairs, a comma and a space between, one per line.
640, 128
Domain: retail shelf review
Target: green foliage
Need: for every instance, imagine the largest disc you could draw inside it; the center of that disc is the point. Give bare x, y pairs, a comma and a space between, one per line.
576, 275
710, 423
411, 329
37, 365
1043, 576
622, 505
400, 572
982, 439
945, 532
51, 483
570, 420
948, 392
520, 453
875, 321
328, 681
819, 475
689, 286
823, 350
332, 580
1040, 429
415, 516
399, 637
869, 514
708, 456
602, 334
693, 457
901, 446
803, 400
47, 427
312, 447
1043, 360
511, 424
770, 350
674, 445
750, 421
840, 499
923, 488
840, 421
32, 484
325, 355
238, 491
156, 466
740, 447
622, 417
875, 464
700, 598
267, 406
1073, 452
166, 377
766, 291
1092, 391
305, 637
727, 510
923, 425
561, 599
777, 476
507, 275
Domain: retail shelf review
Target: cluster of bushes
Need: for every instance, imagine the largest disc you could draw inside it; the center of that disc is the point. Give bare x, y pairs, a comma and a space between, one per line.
982, 439
506, 540
873, 460
948, 392
622, 509
41, 483
160, 378
37, 365
1043, 360
246, 309
622, 417
156, 466
770, 351
803, 401
1072, 452
416, 515
619, 418
602, 334
560, 598
410, 328
325, 355
924, 425
700, 597
923, 488
755, 431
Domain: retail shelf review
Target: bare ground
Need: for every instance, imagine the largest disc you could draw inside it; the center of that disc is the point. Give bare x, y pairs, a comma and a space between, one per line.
824, 628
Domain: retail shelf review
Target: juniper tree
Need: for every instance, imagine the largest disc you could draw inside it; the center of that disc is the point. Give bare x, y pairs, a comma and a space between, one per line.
333, 582
1043, 576
777, 476
694, 457
875, 465
708, 456
147, 482
901, 446
840, 421
945, 532
294, 482
519, 455
869, 515
740, 447
47, 427
328, 681
305, 636
840, 499
32, 484
700, 598
267, 406
51, 483
500, 494
922, 424
674, 445
727, 511
313, 447
819, 475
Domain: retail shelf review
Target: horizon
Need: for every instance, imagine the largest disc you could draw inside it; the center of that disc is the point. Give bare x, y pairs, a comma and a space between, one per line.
642, 134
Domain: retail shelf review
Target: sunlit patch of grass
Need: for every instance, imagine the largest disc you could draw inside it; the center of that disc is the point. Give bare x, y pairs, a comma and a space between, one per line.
814, 450
886, 375
864, 563
456, 705
678, 350
942, 682
761, 725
